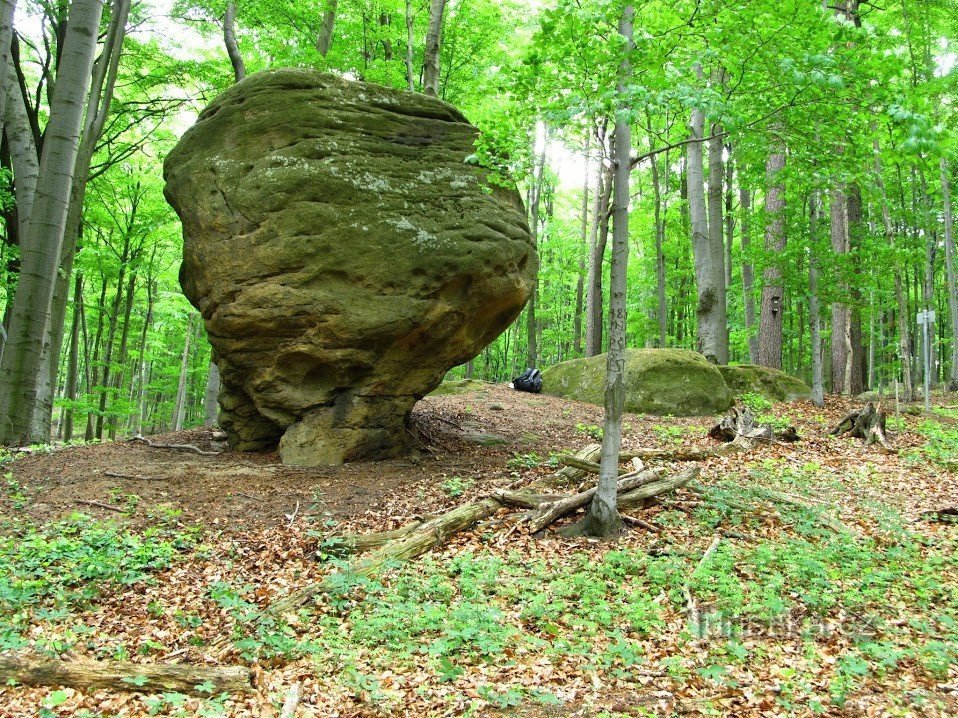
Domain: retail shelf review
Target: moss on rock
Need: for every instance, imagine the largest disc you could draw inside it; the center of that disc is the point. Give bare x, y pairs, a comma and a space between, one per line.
679, 382
460, 386
773, 384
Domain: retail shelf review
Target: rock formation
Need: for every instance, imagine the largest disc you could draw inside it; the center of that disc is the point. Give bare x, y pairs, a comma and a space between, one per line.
344, 253
677, 382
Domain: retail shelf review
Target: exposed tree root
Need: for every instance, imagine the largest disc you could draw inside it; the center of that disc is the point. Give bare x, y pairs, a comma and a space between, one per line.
121, 676
175, 447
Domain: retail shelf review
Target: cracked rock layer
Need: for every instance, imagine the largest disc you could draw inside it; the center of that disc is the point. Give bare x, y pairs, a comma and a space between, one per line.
344, 254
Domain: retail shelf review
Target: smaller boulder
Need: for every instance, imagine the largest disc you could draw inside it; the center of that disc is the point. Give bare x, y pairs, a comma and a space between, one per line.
677, 382
773, 384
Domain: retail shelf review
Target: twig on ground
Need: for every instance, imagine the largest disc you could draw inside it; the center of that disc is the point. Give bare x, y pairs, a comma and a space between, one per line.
132, 477
690, 605
292, 517
101, 505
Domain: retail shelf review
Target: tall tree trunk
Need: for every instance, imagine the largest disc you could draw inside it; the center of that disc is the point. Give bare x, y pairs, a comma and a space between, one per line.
430, 82
708, 275
210, 405
593, 297
7, 10
770, 331
410, 38
179, 405
139, 418
661, 309
98, 106
748, 274
232, 47
602, 518
901, 298
73, 361
729, 220
951, 272
24, 418
584, 237
814, 309
716, 232
535, 192
121, 359
324, 41
841, 316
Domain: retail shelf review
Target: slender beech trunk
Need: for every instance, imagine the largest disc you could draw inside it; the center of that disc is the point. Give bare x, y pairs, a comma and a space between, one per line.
814, 309
410, 43
748, 273
73, 361
24, 418
139, 417
951, 272
324, 41
661, 309
229, 39
841, 316
7, 10
770, 330
105, 72
716, 233
535, 192
179, 405
430, 82
108, 345
602, 518
210, 405
121, 359
708, 275
901, 298
584, 237
729, 220
593, 297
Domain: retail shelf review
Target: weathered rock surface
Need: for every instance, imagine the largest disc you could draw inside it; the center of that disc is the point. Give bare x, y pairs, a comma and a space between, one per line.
679, 382
773, 384
344, 255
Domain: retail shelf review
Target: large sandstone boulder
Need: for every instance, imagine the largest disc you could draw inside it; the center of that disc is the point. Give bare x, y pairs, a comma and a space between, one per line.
773, 384
344, 255
676, 382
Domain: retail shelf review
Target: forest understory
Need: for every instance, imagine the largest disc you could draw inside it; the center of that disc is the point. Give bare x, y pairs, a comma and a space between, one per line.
817, 579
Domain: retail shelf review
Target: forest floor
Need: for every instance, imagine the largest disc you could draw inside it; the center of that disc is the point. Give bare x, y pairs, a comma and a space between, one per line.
828, 590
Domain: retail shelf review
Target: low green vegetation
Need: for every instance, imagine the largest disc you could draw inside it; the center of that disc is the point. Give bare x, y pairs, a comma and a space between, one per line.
53, 573
940, 446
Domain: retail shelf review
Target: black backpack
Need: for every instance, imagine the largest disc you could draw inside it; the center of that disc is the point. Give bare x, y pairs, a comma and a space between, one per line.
530, 380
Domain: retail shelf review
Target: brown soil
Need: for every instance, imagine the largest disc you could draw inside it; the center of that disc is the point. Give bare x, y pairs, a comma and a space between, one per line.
237, 492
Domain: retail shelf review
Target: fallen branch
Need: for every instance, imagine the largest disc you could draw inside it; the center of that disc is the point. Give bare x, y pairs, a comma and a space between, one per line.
101, 505
175, 447
590, 452
415, 543
293, 696
91, 675
739, 445
132, 477
633, 489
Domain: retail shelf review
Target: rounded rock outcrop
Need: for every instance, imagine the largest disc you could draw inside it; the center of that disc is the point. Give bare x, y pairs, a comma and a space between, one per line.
344, 253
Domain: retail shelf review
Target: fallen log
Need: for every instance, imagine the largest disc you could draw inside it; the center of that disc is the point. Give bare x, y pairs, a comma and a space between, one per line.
867, 423
739, 445
415, 543
582, 465
175, 447
590, 452
89, 675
